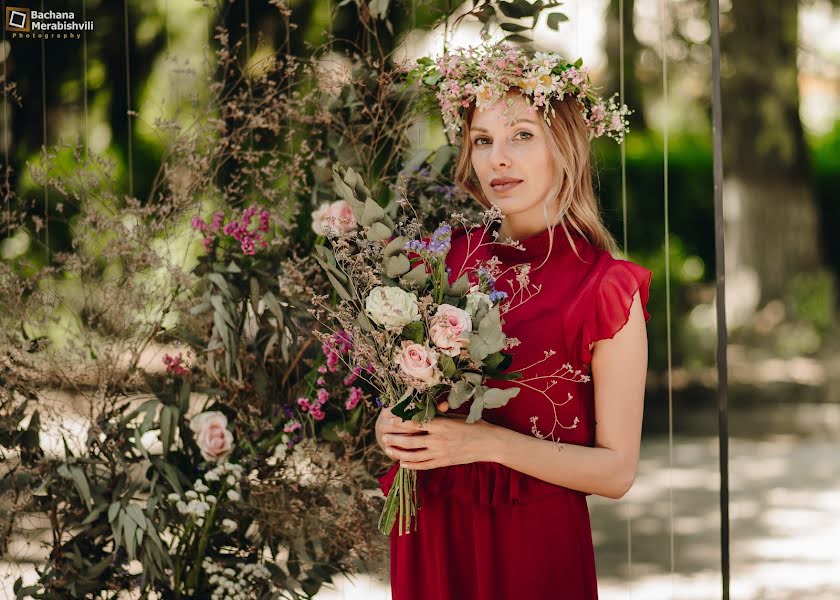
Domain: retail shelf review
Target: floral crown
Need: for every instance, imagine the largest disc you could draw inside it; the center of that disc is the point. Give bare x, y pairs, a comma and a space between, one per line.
483, 74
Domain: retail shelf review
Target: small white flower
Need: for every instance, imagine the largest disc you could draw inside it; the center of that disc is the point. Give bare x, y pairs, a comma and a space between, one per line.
229, 526
231, 480
230, 573
191, 495
210, 498
200, 487
181, 506
212, 475
233, 496
173, 497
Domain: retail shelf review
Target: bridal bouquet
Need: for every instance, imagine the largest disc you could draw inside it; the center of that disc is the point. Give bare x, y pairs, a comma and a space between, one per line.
416, 337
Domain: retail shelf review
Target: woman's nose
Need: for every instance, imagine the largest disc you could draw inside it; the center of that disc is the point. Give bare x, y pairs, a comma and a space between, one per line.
499, 154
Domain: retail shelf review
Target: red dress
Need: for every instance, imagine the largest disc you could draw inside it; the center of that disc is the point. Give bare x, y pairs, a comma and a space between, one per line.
488, 532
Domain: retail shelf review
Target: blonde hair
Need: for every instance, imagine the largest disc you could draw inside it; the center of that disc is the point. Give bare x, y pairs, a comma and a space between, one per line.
568, 142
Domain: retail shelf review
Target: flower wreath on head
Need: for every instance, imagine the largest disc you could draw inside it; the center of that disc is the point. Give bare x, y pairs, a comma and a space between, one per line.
484, 74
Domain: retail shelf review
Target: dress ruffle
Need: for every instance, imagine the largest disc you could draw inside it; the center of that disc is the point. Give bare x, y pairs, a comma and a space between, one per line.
612, 302
485, 483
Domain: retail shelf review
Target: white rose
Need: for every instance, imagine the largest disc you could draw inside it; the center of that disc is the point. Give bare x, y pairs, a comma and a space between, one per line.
392, 307
449, 329
337, 215
476, 299
419, 363
211, 434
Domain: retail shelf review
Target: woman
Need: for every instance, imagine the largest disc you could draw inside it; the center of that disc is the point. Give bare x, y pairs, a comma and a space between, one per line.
503, 511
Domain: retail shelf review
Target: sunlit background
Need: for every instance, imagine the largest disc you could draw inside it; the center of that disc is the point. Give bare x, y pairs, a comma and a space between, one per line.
781, 69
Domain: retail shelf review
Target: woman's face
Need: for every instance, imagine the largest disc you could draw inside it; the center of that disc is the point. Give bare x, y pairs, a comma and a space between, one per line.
512, 160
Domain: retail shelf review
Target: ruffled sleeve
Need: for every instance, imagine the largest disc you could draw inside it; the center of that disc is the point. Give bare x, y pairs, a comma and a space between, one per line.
611, 302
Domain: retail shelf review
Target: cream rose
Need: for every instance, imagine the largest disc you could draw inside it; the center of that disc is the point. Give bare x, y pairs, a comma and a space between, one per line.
449, 329
337, 215
419, 363
476, 299
391, 306
212, 435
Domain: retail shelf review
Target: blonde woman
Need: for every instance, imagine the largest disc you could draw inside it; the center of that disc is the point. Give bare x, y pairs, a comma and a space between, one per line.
503, 512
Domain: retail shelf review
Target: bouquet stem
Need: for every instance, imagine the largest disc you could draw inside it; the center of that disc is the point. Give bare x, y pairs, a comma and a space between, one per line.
401, 503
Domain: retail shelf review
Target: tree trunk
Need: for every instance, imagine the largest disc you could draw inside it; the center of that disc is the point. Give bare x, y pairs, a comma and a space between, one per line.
772, 220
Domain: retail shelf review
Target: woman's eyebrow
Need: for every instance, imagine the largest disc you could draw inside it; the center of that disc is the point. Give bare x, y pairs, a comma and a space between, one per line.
473, 128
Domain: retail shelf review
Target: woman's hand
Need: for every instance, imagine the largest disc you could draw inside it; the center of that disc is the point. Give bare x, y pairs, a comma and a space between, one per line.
445, 441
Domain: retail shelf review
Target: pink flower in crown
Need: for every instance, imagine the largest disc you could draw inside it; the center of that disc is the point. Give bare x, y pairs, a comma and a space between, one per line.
218, 218
615, 122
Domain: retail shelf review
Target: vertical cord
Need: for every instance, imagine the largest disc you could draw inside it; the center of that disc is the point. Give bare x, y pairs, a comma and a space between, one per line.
85, 81
626, 253
720, 298
662, 15
623, 145
6, 161
249, 83
128, 103
44, 127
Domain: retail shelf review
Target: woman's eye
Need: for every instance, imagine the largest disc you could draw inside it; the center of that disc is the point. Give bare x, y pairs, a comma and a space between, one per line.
478, 141
526, 134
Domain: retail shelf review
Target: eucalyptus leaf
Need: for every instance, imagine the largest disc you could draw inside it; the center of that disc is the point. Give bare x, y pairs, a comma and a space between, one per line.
447, 365
459, 393
414, 331
397, 265
378, 232
417, 276
373, 213
461, 286
394, 246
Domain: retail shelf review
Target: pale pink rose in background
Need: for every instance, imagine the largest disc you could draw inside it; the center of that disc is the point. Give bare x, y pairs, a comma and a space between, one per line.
212, 435
337, 215
449, 329
418, 362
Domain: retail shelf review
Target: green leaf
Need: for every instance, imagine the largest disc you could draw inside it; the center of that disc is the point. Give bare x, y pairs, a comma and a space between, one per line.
414, 331
129, 537
494, 360
394, 246
378, 232
255, 294
518, 39
184, 395
221, 310
373, 213
136, 514
461, 286
397, 265
447, 365
338, 287
416, 277
518, 9
514, 27
554, 19
496, 397
460, 392
113, 510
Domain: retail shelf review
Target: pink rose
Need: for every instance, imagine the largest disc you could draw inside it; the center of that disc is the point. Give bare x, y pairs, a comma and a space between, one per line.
337, 215
449, 329
419, 363
212, 435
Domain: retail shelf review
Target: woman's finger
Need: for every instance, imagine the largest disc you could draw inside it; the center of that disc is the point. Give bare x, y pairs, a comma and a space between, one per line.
407, 441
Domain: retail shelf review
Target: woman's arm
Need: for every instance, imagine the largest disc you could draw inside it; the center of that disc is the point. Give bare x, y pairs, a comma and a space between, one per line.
619, 369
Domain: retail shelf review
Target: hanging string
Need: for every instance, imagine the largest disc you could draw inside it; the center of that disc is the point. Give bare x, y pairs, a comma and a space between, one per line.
128, 102
6, 162
623, 146
44, 146
629, 512
84, 82
249, 83
662, 15
720, 298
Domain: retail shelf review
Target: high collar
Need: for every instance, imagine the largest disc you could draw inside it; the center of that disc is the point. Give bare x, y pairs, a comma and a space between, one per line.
534, 247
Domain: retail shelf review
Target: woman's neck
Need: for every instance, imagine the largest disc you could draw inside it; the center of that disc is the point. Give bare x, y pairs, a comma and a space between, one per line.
519, 229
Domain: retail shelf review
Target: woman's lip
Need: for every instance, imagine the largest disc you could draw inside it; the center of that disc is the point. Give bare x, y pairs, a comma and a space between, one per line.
503, 187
